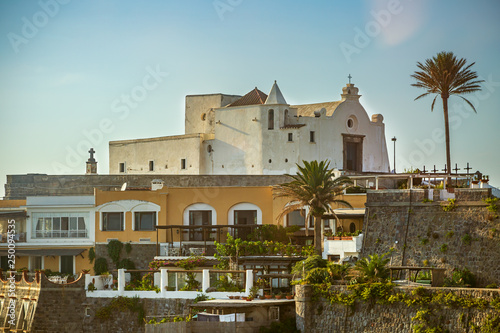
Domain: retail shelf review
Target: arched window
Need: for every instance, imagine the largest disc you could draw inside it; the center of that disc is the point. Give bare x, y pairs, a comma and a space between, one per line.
201, 215
270, 119
352, 227
244, 213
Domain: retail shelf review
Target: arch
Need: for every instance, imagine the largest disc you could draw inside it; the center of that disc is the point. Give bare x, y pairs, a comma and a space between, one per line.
270, 119
244, 206
199, 207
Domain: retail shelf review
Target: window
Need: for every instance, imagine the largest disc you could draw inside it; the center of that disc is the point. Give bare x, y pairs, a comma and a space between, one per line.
5, 263
67, 264
35, 262
183, 164
270, 120
144, 221
60, 225
112, 221
151, 165
352, 227
199, 218
290, 137
350, 123
244, 217
122, 167
295, 218
311, 136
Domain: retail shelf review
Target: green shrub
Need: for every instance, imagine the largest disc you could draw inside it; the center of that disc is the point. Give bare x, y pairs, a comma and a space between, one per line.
373, 268
460, 278
100, 266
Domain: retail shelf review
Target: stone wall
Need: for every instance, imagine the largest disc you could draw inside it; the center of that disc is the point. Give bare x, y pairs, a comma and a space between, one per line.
423, 233
65, 308
321, 316
20, 186
141, 255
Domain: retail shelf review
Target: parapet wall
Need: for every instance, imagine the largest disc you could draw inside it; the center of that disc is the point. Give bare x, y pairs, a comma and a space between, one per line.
20, 186
320, 316
423, 233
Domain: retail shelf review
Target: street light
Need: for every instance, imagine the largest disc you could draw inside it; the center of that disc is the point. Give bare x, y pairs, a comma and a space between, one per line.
394, 140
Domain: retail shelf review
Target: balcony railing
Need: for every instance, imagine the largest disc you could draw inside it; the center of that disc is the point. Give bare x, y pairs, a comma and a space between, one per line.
61, 234
18, 238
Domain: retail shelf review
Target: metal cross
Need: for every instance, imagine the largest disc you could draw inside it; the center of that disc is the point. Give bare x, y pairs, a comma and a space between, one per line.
349, 77
435, 170
456, 168
424, 171
445, 169
468, 168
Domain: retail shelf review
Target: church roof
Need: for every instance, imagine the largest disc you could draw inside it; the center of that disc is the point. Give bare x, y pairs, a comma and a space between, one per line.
275, 96
307, 110
253, 97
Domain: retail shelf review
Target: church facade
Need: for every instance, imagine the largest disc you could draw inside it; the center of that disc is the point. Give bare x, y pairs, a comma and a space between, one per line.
259, 134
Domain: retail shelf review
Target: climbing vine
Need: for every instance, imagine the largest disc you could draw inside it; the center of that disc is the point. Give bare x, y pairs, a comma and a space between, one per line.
122, 303
91, 255
421, 298
114, 248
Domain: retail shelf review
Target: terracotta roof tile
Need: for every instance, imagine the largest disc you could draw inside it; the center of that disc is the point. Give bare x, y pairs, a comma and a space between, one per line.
253, 97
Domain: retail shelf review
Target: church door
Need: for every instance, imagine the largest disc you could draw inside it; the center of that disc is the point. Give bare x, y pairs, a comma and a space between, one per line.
353, 152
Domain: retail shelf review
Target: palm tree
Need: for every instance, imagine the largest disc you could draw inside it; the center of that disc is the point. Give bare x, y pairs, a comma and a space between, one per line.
445, 75
313, 187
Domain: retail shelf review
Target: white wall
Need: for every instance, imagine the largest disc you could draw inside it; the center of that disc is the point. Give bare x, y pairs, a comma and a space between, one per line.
242, 144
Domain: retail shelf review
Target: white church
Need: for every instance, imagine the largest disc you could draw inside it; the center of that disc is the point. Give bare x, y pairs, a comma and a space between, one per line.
259, 134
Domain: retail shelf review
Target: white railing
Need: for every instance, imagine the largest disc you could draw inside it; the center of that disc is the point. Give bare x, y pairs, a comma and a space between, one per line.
164, 293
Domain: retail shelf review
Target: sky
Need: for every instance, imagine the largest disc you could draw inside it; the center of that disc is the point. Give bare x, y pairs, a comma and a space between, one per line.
78, 74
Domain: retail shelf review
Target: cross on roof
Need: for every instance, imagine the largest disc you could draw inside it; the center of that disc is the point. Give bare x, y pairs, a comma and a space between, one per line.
435, 170
92, 152
445, 168
468, 168
456, 168
424, 171
349, 77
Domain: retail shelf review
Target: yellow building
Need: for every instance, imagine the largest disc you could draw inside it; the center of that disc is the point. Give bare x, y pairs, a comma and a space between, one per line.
57, 232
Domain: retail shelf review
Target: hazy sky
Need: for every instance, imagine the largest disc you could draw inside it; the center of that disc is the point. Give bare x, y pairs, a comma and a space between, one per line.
76, 74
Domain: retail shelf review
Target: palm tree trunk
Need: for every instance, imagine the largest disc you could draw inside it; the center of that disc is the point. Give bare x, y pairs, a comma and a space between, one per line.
447, 138
317, 235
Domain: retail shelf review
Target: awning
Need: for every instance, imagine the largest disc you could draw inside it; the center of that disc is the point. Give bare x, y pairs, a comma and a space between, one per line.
13, 213
44, 252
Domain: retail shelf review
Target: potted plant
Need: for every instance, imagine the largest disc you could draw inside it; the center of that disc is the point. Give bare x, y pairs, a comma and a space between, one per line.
289, 296
268, 296
279, 295
253, 292
475, 180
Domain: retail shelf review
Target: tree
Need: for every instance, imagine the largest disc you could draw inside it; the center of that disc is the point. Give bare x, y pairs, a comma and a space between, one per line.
445, 75
315, 188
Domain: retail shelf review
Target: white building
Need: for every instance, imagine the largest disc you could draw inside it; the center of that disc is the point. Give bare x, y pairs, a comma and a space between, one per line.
260, 134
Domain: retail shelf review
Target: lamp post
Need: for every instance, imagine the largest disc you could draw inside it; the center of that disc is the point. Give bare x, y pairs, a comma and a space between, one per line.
394, 140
